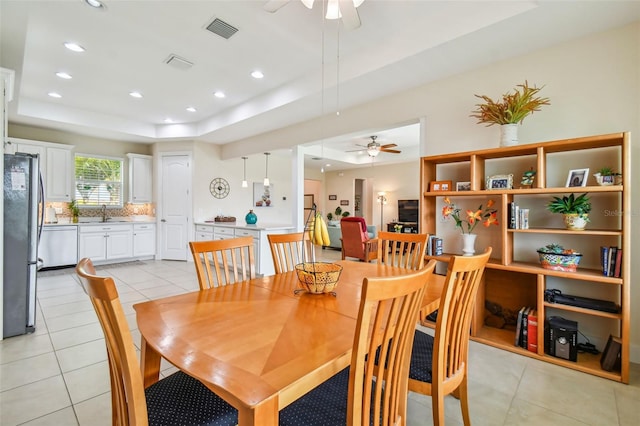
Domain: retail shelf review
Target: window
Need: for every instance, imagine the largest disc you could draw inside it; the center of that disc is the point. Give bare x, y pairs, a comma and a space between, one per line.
98, 181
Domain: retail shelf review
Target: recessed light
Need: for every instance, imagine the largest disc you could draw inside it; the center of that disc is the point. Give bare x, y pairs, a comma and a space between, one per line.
135, 94
191, 109
64, 75
219, 94
95, 4
257, 74
168, 120
55, 95
74, 47
327, 165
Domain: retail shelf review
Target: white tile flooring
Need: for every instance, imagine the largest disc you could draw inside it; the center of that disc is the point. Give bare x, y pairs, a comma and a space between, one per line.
59, 374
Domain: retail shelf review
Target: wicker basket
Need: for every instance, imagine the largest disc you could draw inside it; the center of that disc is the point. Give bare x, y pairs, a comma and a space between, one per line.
318, 277
560, 262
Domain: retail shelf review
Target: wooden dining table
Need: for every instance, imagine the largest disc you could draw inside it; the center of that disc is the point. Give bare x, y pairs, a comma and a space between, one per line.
257, 344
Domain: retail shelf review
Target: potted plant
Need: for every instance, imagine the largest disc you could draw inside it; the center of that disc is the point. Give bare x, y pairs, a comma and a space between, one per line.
575, 210
557, 258
606, 176
510, 111
75, 210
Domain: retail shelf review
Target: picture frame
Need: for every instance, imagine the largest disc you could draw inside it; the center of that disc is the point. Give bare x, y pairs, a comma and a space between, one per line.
262, 195
440, 185
463, 186
577, 177
499, 182
308, 201
333, 197
344, 202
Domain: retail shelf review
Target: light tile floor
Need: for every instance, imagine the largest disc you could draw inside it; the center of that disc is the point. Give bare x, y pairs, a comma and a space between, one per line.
59, 374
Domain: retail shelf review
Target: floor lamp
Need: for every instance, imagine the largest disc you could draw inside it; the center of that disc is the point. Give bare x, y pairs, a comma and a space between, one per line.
382, 200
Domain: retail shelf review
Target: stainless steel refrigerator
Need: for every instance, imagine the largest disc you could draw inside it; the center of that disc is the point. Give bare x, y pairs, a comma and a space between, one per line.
22, 224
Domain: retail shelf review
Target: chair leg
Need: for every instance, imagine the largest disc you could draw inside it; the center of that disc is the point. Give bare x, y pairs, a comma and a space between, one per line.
437, 405
464, 401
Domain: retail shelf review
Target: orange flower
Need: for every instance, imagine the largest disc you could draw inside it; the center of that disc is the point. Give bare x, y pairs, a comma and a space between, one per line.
490, 204
447, 210
473, 216
491, 220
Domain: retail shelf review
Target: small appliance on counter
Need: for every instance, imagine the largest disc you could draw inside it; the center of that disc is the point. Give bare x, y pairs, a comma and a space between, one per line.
50, 215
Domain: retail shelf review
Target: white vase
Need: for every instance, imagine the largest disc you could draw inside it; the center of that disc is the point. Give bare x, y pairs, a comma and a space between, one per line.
508, 135
468, 244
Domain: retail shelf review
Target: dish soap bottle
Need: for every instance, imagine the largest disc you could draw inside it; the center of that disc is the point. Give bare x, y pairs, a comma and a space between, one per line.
251, 218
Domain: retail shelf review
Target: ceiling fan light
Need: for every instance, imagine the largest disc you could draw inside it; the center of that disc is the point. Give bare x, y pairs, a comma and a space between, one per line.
373, 151
357, 3
308, 3
333, 10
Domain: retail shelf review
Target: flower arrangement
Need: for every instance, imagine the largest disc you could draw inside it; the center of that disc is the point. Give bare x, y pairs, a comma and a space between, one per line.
487, 215
513, 108
397, 227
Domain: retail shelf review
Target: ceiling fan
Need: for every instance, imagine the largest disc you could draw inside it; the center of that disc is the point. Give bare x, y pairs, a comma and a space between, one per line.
374, 148
345, 9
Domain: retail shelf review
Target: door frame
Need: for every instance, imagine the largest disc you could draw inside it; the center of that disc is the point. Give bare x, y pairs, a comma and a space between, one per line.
159, 202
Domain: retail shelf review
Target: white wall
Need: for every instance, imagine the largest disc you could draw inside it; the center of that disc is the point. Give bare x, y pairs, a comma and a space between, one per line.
594, 86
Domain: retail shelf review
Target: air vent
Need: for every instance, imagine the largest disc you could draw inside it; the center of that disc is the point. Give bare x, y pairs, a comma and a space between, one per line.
221, 28
177, 62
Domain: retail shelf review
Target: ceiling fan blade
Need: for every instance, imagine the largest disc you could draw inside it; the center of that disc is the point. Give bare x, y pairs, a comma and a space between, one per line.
350, 17
274, 5
392, 151
389, 145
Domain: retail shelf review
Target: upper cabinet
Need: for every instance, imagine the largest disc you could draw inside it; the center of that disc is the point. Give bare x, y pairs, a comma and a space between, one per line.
140, 178
56, 166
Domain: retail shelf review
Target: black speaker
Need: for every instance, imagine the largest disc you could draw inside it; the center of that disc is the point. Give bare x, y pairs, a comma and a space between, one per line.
561, 338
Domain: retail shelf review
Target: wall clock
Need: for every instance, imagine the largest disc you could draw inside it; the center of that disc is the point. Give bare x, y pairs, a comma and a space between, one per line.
219, 188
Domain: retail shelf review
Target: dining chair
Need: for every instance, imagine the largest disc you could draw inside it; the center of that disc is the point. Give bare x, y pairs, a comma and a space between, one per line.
222, 262
287, 250
402, 250
176, 399
439, 364
355, 240
385, 326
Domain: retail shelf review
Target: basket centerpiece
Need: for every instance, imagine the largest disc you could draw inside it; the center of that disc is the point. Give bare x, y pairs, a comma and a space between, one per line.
318, 277
557, 258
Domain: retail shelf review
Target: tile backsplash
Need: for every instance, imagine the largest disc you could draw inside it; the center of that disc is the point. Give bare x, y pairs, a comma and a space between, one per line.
126, 210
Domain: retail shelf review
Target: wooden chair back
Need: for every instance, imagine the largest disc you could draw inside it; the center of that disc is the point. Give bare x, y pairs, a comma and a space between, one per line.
386, 323
402, 250
287, 250
129, 406
222, 262
451, 340
356, 242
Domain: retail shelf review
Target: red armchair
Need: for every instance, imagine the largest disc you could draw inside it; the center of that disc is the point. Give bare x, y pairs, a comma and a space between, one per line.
355, 240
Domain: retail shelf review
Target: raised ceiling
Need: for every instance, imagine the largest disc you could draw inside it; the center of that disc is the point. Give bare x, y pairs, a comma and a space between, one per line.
128, 44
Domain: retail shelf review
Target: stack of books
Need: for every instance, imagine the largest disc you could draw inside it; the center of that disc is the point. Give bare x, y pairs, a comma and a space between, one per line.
434, 246
527, 329
611, 261
518, 217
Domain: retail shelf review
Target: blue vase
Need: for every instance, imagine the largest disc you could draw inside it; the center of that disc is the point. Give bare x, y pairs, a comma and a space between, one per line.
251, 218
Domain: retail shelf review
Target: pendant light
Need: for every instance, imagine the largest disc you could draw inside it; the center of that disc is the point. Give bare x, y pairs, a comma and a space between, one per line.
244, 180
266, 169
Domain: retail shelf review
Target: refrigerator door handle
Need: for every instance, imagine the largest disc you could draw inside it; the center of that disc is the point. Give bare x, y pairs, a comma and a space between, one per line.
39, 264
41, 197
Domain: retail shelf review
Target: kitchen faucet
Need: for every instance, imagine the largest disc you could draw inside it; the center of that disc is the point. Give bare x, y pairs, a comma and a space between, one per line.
104, 213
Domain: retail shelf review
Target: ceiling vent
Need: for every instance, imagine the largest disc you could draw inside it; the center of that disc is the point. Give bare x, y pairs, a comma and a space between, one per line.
177, 62
221, 28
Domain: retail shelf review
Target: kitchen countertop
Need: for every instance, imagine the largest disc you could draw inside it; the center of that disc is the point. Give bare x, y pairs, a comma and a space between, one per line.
240, 225
98, 221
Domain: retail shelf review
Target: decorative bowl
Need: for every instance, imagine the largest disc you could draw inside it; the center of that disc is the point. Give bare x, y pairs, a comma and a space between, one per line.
560, 262
318, 277
608, 180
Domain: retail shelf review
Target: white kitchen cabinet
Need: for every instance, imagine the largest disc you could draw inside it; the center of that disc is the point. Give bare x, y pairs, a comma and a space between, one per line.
106, 242
204, 232
242, 232
59, 173
140, 178
144, 239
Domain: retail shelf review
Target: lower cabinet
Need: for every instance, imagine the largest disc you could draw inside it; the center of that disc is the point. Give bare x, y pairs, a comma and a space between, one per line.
144, 239
106, 242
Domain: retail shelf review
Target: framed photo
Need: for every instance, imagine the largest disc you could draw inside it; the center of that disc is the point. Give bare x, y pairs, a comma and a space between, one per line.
500, 182
333, 197
262, 195
344, 202
577, 177
463, 186
308, 201
440, 185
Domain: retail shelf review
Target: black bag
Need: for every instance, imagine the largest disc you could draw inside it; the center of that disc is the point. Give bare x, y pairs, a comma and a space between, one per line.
556, 296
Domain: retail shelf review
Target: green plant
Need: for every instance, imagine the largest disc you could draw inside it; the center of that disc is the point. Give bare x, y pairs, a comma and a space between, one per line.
556, 249
338, 211
329, 216
570, 204
473, 216
73, 208
345, 214
607, 171
513, 108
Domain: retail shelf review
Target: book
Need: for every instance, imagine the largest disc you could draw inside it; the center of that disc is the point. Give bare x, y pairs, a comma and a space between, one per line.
517, 214
610, 358
519, 327
610, 261
512, 215
604, 251
524, 218
532, 331
524, 329
617, 271
438, 247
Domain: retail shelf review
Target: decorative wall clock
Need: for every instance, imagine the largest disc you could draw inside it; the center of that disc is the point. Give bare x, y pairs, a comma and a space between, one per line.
219, 188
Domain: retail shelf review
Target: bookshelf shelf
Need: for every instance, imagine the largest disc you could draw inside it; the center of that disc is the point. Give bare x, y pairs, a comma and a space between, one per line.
512, 279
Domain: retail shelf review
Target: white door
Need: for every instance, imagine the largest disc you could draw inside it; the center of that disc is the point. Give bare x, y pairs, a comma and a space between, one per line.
176, 206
